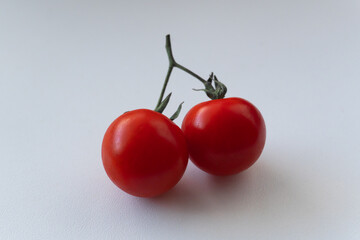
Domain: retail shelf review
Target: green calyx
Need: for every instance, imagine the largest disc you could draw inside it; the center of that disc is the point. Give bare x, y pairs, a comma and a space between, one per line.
213, 92
161, 107
214, 89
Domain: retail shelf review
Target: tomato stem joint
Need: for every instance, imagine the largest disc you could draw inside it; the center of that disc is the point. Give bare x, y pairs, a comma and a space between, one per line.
217, 92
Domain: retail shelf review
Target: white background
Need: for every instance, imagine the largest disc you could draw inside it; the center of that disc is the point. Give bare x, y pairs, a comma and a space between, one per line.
69, 68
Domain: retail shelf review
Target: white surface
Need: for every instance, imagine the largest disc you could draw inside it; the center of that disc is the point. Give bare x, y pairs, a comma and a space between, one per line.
68, 68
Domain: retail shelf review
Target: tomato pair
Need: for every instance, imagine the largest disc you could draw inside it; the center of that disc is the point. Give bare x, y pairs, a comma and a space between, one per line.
145, 154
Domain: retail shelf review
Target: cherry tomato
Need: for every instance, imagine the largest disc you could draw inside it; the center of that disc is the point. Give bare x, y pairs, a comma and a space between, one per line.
224, 136
144, 153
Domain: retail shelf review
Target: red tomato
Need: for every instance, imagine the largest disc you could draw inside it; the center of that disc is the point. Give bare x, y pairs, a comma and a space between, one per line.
144, 153
224, 136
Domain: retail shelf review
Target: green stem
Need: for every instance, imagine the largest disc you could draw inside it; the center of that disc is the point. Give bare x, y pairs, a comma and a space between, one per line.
189, 72
172, 64
164, 86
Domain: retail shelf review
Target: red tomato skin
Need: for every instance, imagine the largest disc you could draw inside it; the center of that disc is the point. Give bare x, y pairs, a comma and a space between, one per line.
144, 153
224, 136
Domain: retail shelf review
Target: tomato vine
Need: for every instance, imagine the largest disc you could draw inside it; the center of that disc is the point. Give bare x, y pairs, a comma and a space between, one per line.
217, 91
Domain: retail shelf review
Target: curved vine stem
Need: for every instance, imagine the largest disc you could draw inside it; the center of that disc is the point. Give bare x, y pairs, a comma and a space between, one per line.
172, 64
190, 72
164, 86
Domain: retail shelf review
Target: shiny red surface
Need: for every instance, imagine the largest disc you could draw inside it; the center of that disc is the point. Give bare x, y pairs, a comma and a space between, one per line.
224, 136
144, 153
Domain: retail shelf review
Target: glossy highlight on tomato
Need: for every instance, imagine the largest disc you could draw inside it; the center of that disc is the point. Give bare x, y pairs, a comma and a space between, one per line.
224, 136
144, 153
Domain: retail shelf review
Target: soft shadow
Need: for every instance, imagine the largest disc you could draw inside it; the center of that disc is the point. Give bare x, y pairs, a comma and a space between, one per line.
199, 191
185, 196
269, 192
261, 189
229, 184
